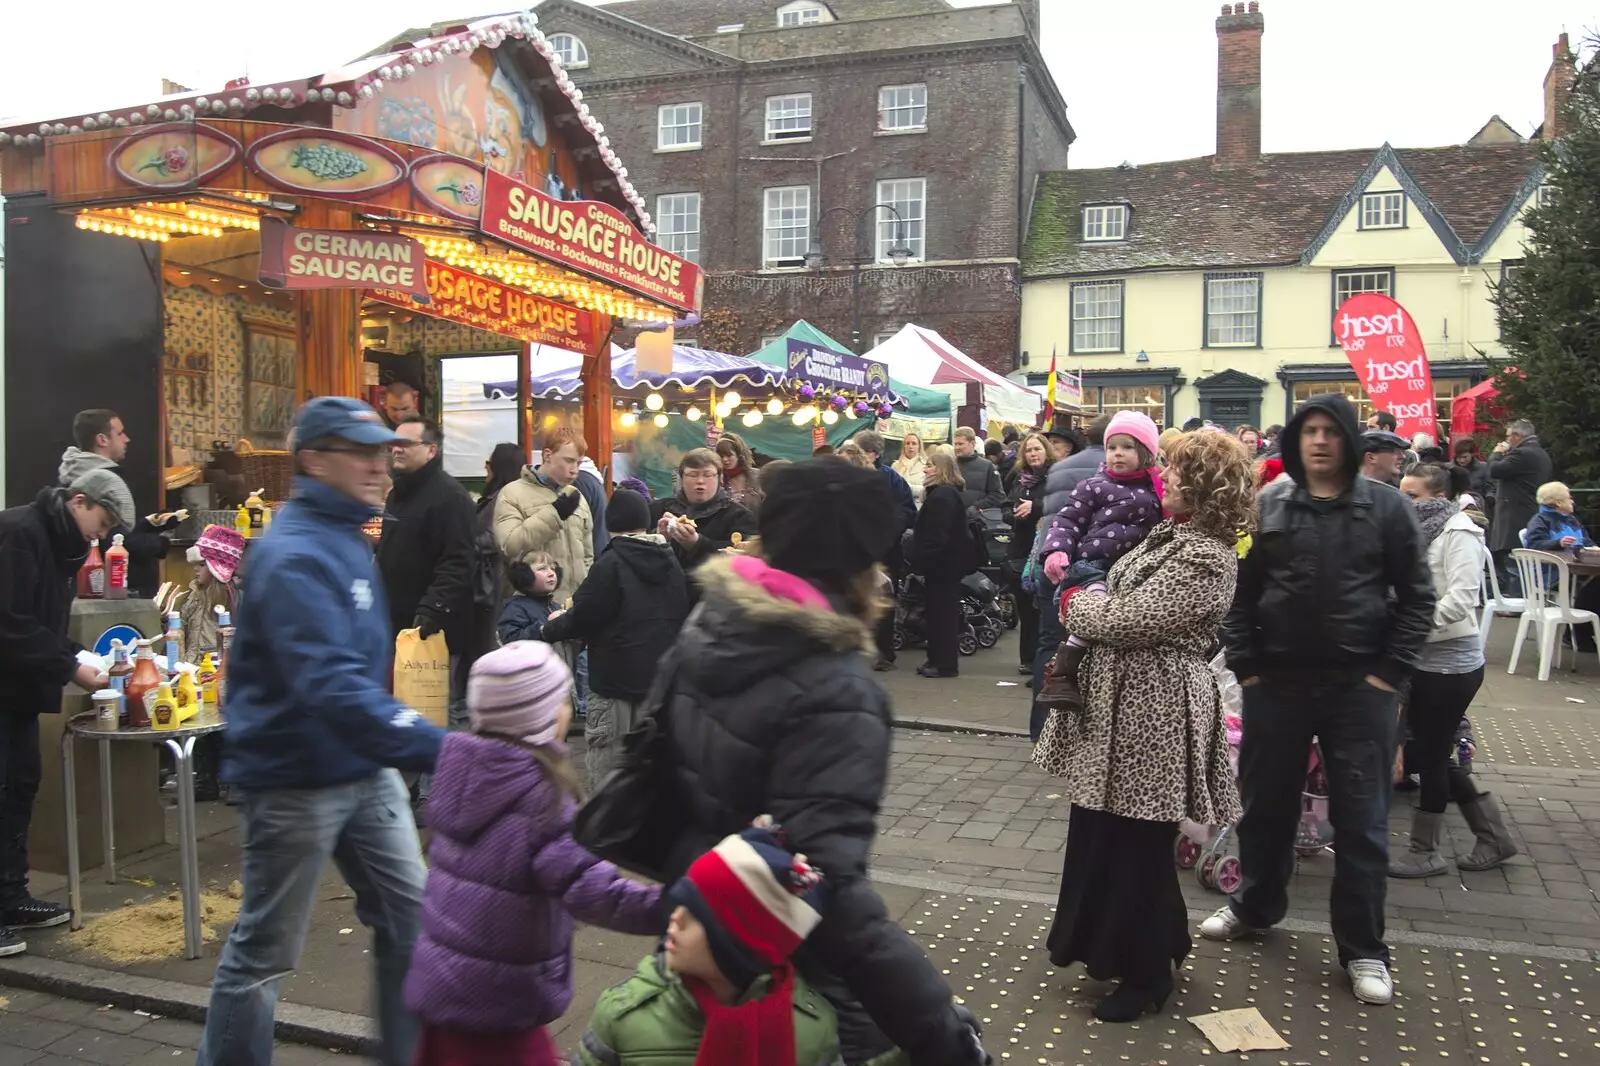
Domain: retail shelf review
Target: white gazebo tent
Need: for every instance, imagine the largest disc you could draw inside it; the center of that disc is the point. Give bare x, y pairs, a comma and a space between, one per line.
919, 356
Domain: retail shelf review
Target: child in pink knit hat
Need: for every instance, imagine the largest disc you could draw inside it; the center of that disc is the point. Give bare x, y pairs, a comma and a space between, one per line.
1104, 517
493, 963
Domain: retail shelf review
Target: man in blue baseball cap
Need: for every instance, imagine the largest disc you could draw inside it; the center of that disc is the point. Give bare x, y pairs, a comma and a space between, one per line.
314, 740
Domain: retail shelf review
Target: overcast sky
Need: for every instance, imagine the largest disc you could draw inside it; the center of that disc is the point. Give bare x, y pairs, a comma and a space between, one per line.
1139, 76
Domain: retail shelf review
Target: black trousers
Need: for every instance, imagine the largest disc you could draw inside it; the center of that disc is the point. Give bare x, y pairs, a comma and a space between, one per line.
1356, 727
20, 767
884, 635
944, 621
1027, 617
1437, 703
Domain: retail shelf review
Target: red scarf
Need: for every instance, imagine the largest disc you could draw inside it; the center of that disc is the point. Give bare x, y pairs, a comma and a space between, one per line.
760, 1033
1153, 473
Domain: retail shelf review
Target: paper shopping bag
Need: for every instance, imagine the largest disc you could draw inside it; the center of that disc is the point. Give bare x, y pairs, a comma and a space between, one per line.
422, 675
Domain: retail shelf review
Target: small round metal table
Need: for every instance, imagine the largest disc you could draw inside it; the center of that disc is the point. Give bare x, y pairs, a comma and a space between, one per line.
180, 742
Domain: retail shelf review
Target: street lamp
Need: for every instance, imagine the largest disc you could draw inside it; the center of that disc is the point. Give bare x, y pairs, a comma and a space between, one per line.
898, 253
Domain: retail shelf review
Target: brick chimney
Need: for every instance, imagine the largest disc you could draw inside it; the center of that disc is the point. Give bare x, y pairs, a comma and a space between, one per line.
1557, 87
1239, 30
1030, 12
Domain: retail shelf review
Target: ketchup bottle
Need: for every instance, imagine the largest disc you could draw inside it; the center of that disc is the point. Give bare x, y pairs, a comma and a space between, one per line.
92, 574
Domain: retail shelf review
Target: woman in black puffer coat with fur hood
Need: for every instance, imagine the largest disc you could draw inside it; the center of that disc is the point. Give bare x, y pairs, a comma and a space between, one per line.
774, 709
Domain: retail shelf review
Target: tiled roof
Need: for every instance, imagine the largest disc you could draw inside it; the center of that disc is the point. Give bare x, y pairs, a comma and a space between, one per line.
696, 18
1470, 184
1189, 213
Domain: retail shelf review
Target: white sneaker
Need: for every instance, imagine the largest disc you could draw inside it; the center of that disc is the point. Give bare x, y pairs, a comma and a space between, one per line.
1226, 925
1370, 980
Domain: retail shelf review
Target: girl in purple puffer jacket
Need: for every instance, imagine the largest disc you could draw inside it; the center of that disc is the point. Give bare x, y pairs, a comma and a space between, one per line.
1103, 519
493, 964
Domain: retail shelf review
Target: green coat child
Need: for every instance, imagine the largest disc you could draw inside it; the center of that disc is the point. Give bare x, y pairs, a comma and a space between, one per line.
722, 992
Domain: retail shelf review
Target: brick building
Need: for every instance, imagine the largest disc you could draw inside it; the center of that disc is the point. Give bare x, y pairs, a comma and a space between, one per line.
761, 130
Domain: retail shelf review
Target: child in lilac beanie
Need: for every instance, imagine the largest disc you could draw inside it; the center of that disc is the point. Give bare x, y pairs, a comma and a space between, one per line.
493, 964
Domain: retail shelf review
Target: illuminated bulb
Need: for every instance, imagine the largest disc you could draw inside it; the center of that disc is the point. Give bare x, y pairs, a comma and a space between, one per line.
660, 421
829, 418
731, 398
628, 419
723, 410
654, 401
752, 417
800, 418
693, 414
774, 406
849, 412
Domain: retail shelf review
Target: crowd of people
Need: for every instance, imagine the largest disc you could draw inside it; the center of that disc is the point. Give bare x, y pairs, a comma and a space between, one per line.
1331, 569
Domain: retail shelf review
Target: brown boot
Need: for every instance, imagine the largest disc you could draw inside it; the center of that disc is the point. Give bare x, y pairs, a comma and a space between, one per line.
1060, 688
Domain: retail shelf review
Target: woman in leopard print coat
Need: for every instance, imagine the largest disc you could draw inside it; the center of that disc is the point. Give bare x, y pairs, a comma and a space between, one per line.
1149, 748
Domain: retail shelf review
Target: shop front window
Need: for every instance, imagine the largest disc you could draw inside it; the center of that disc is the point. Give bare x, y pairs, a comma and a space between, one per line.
1146, 399
1444, 391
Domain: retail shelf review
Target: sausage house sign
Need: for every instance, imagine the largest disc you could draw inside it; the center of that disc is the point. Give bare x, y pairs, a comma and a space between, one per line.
295, 258
589, 236
459, 296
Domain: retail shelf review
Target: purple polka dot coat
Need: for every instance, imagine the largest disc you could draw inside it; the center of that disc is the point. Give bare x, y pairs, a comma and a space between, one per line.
1102, 521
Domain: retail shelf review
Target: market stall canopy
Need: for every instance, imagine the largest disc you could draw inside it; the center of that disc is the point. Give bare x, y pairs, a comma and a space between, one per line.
378, 82
926, 411
692, 368
922, 357
1464, 409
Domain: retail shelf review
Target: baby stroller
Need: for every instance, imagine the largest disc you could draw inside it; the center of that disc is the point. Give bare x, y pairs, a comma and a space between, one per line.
980, 608
1205, 849
911, 619
997, 535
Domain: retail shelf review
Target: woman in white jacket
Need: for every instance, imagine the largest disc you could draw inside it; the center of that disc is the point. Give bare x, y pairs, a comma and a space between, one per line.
1444, 684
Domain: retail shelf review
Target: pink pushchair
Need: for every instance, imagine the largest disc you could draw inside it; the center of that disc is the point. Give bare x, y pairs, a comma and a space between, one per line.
1206, 849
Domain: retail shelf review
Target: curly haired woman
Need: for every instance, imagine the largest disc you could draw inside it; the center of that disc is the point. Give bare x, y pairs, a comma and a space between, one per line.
1149, 748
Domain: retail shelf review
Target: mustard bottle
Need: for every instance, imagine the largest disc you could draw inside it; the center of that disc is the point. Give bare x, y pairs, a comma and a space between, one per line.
256, 507
188, 697
241, 521
207, 676
164, 709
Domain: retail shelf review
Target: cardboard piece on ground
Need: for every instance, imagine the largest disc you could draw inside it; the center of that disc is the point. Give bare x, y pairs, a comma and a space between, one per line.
1239, 1030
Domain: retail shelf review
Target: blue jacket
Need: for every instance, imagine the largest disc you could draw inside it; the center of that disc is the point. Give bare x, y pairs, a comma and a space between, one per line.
523, 617
308, 701
1546, 529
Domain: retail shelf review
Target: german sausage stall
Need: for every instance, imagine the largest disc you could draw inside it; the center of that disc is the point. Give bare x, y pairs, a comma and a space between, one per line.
205, 262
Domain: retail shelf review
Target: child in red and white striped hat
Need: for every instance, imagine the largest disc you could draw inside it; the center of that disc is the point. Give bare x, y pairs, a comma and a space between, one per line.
722, 991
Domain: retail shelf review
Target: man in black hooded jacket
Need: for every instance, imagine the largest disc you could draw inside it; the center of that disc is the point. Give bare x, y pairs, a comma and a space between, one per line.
1334, 603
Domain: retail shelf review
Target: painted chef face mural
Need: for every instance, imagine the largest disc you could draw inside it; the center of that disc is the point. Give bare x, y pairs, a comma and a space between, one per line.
477, 106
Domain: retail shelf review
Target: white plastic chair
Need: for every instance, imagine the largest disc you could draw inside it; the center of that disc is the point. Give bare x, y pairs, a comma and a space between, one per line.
1548, 609
1494, 601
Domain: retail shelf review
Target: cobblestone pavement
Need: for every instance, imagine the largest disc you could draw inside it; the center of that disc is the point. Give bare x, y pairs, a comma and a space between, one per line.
969, 813
42, 1030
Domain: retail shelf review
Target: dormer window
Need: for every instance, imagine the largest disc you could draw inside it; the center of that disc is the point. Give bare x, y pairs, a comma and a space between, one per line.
1105, 222
570, 49
1383, 210
803, 13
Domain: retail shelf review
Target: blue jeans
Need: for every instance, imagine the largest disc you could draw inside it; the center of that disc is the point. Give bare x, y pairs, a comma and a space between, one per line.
1050, 637
1356, 727
365, 827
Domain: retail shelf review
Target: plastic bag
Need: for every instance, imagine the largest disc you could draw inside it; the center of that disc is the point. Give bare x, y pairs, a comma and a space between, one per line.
422, 675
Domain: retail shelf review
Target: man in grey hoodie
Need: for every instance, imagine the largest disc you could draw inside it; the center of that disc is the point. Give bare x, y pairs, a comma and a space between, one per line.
102, 444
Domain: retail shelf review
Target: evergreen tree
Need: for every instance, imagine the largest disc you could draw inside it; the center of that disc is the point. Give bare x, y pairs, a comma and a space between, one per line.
1550, 307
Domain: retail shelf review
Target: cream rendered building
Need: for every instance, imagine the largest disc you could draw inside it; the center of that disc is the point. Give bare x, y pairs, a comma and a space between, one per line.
1207, 287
